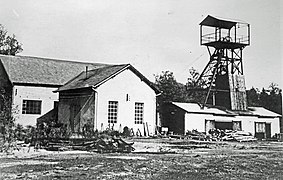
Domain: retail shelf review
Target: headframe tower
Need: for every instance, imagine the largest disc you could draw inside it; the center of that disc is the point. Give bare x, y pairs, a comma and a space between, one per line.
225, 41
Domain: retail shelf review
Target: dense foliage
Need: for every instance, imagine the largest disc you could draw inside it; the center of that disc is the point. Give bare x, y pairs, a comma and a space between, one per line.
6, 121
170, 88
270, 98
9, 45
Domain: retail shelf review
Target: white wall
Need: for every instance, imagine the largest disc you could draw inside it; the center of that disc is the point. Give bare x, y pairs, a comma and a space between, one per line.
44, 94
196, 121
248, 123
116, 89
275, 126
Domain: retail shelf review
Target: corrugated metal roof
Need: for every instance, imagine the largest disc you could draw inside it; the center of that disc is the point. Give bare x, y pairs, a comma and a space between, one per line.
260, 111
34, 70
196, 108
252, 111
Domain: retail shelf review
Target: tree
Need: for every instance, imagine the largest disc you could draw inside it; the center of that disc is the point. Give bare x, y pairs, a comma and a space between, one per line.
270, 98
195, 87
275, 98
264, 97
7, 121
9, 45
170, 88
253, 97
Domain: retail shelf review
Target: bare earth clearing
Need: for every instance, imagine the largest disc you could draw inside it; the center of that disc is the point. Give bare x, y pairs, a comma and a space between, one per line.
152, 159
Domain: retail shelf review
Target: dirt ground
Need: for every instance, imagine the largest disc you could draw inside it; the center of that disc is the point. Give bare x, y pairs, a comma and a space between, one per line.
153, 159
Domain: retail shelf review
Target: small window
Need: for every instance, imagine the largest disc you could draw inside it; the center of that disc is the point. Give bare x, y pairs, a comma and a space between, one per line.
112, 111
31, 107
139, 113
237, 125
260, 127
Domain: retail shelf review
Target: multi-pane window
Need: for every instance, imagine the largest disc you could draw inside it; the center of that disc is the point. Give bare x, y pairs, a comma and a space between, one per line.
31, 107
260, 127
139, 113
112, 111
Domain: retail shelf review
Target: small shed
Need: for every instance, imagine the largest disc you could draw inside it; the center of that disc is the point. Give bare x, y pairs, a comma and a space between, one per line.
183, 117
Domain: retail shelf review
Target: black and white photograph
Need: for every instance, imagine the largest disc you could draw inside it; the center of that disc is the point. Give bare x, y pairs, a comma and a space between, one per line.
141, 89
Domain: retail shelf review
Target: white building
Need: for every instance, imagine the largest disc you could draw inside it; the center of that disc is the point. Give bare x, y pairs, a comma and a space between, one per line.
183, 117
30, 81
115, 97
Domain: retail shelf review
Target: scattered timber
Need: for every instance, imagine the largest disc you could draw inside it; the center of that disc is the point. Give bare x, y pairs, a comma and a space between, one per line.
101, 144
220, 135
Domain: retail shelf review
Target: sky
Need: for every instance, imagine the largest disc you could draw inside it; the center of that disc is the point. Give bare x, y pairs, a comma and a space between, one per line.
152, 35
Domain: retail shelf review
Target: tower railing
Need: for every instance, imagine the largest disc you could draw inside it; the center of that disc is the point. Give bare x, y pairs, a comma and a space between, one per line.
209, 38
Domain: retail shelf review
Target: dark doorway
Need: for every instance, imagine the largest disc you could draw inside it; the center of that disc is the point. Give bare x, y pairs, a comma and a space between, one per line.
75, 116
224, 125
268, 130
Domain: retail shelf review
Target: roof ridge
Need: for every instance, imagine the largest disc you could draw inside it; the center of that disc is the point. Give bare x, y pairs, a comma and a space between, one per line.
96, 71
102, 75
121, 67
52, 59
108, 66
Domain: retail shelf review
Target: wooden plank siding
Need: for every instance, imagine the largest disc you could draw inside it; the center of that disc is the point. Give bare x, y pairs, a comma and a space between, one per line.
238, 94
76, 109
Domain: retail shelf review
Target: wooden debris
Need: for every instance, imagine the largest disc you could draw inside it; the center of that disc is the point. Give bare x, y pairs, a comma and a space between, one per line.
102, 144
221, 135
113, 145
239, 136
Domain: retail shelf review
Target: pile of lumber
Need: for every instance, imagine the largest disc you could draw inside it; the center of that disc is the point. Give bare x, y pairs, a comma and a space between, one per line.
221, 135
101, 144
239, 136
